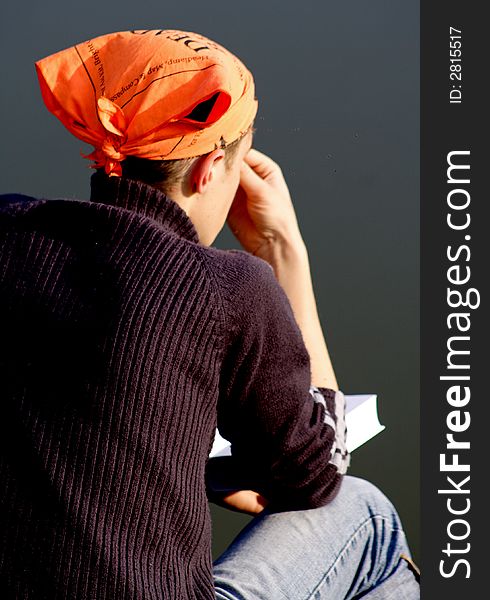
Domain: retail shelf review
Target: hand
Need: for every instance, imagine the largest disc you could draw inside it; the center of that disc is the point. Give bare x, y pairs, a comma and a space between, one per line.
262, 214
246, 501
227, 485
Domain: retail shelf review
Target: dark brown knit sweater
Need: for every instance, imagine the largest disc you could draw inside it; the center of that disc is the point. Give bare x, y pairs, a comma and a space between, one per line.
124, 343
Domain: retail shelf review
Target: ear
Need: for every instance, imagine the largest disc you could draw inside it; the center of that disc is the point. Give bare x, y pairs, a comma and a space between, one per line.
203, 171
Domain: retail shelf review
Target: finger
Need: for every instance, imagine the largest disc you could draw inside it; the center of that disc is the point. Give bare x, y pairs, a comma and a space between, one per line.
251, 182
262, 164
238, 219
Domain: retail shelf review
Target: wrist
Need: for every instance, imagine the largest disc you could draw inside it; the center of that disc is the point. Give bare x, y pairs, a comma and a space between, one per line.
286, 254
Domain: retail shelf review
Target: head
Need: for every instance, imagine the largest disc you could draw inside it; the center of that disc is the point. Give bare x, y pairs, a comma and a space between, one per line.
170, 108
204, 186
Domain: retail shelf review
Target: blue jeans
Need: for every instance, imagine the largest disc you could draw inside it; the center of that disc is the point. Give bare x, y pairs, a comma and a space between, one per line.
348, 549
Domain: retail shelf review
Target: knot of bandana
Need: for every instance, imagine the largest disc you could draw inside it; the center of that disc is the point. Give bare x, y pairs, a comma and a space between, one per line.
156, 94
109, 154
108, 157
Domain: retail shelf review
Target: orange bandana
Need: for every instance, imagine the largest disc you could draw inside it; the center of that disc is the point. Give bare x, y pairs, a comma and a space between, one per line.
158, 94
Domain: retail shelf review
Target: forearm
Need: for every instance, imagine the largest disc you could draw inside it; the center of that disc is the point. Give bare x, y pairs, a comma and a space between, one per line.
262, 217
289, 259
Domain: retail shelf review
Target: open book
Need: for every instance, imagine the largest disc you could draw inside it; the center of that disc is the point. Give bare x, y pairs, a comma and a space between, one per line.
361, 417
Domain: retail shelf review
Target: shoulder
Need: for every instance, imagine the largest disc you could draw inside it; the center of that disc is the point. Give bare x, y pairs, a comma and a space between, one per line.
73, 219
239, 274
251, 295
237, 266
16, 204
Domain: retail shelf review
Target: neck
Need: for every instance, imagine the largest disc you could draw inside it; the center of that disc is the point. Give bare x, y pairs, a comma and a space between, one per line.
144, 199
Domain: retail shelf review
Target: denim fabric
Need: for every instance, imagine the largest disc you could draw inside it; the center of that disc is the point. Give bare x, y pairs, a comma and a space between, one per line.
349, 549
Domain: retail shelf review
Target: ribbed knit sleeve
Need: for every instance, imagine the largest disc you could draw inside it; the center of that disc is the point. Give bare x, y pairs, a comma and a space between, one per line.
281, 440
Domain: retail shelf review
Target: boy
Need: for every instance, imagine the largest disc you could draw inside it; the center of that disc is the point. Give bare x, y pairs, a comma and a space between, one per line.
128, 338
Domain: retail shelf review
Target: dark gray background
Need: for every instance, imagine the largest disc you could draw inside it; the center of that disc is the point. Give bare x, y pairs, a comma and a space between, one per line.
338, 87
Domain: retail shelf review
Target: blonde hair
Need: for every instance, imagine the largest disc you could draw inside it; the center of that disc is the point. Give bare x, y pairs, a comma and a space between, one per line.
165, 174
